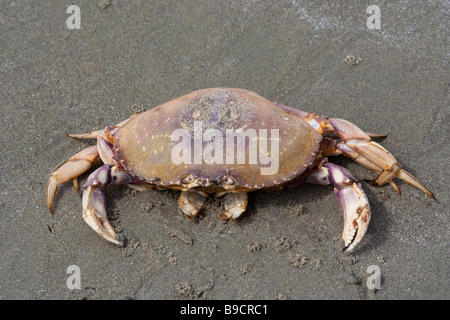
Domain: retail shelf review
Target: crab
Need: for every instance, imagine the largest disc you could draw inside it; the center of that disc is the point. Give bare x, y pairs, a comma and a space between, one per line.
181, 145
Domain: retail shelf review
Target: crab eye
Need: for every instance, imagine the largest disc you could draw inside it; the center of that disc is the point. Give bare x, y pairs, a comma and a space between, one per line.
226, 180
188, 179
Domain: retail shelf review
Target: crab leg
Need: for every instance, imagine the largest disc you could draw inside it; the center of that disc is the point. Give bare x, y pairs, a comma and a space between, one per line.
82, 161
94, 200
352, 200
96, 133
358, 145
70, 170
235, 205
190, 203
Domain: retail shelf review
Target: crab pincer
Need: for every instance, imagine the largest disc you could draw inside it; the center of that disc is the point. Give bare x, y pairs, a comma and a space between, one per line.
352, 200
95, 202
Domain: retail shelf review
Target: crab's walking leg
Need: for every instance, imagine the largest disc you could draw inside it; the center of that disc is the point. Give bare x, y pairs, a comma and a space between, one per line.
352, 200
70, 170
94, 200
357, 145
96, 133
235, 205
190, 203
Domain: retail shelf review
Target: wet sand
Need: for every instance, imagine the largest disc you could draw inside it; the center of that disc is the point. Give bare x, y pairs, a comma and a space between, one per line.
134, 55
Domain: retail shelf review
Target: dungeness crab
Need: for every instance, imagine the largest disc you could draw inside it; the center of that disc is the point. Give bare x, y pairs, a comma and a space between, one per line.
217, 141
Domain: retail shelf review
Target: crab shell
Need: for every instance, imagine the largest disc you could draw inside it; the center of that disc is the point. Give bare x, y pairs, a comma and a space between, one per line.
143, 146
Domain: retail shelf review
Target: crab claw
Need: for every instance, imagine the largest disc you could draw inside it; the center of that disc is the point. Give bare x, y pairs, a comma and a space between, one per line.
94, 214
356, 211
353, 202
94, 201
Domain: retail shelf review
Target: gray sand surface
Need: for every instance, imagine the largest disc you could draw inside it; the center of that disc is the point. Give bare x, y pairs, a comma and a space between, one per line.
134, 55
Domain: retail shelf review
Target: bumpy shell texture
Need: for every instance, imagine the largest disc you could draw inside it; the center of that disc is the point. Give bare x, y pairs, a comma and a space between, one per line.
147, 145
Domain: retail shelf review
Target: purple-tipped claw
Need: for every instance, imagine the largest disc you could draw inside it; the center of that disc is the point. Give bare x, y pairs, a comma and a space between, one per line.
353, 202
94, 200
356, 211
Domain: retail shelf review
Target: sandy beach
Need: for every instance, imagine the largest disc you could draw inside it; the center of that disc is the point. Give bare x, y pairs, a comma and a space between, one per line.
130, 56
